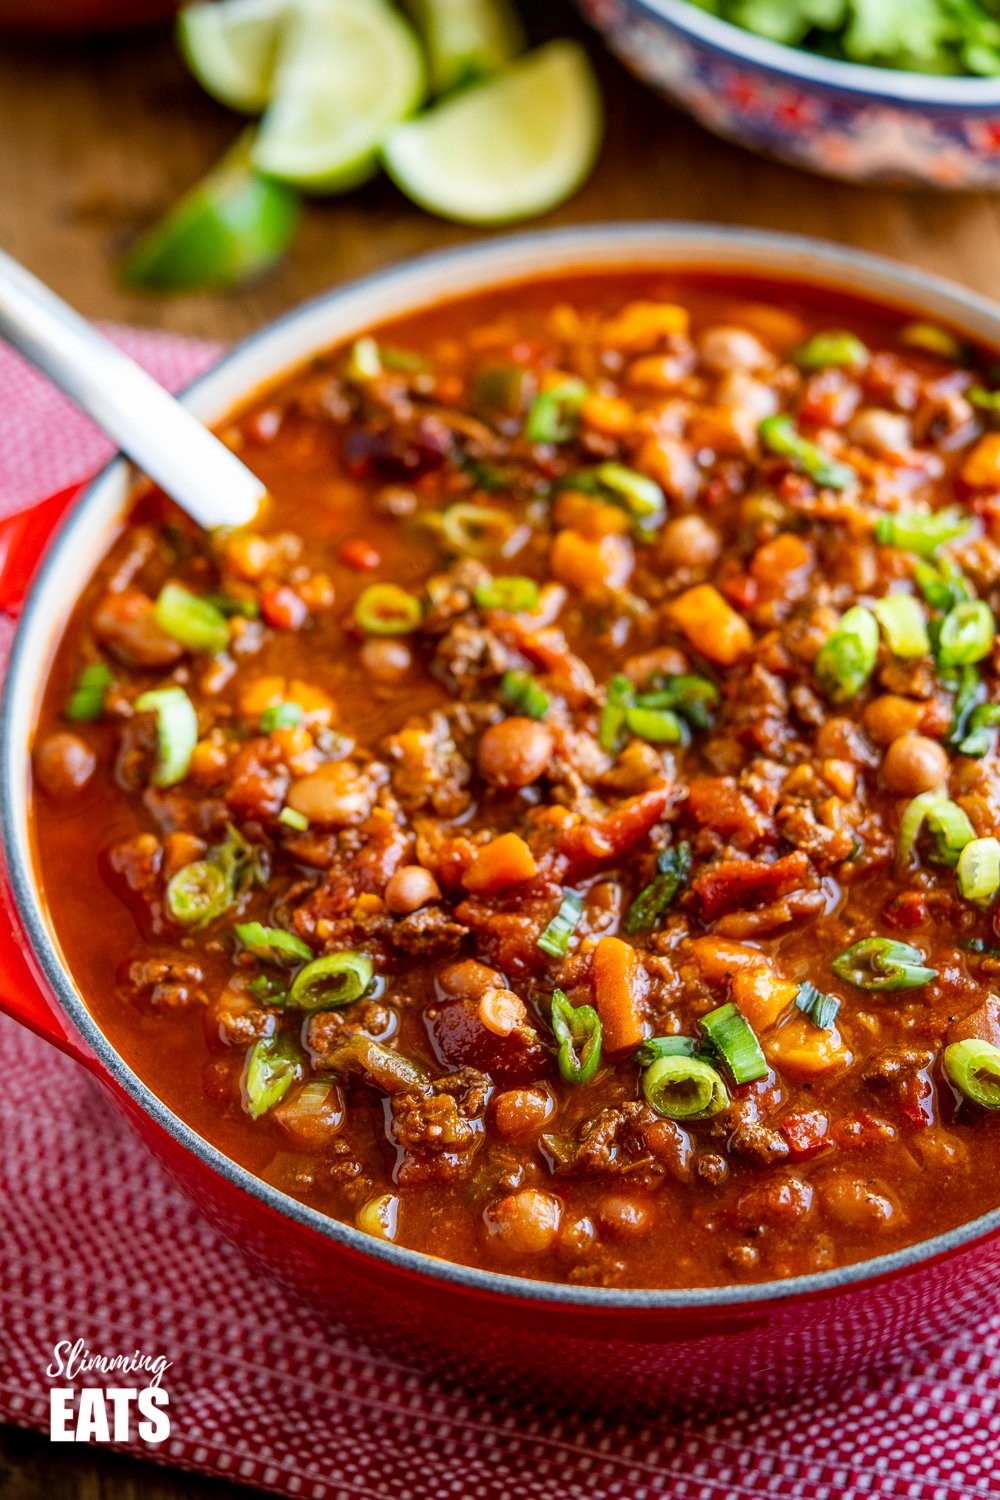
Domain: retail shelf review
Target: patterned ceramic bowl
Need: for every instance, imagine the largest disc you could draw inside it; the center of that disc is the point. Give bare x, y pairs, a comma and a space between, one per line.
863, 124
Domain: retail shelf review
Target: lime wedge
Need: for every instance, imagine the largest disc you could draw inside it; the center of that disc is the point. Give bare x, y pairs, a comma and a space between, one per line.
508, 148
346, 72
466, 39
230, 49
232, 226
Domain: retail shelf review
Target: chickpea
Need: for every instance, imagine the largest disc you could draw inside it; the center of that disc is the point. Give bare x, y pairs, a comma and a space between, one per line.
526, 1222
841, 739
857, 1204
379, 1217
502, 1012
521, 1112
410, 888
724, 348
881, 432
914, 764
515, 752
64, 764
386, 661
469, 979
889, 716
335, 796
689, 542
623, 1217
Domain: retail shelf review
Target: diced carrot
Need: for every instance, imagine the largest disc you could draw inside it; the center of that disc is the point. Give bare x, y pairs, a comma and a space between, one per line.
606, 562
806, 1133
730, 430
641, 326
782, 566
360, 554
803, 1050
618, 984
982, 466
589, 843
503, 862
588, 516
776, 324
260, 693
711, 625
762, 996
608, 414
719, 958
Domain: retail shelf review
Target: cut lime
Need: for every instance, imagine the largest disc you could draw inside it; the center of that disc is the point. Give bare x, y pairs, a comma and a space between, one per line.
466, 39
510, 147
346, 72
230, 48
232, 226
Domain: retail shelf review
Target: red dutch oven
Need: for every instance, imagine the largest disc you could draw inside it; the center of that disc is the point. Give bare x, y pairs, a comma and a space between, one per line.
702, 1346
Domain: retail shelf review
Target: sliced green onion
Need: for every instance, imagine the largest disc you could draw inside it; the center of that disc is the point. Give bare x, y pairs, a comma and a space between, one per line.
521, 691
388, 1070
970, 690
655, 1047
503, 388
978, 870
988, 401
973, 1066
981, 949
273, 1064
269, 989
821, 1009
692, 697
364, 362
921, 532
198, 893
555, 414
193, 621
386, 609
948, 824
660, 726
733, 1038
620, 697
641, 497
684, 1088
281, 716
314, 1105
176, 732
577, 1030
933, 340
902, 619
780, 435
967, 633
229, 604
291, 818
835, 347
673, 867
330, 982
511, 593
408, 361
982, 725
941, 583
881, 964
86, 702
476, 530
272, 943
555, 939
847, 658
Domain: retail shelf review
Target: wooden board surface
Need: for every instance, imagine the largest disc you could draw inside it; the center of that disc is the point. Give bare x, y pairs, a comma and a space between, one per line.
98, 138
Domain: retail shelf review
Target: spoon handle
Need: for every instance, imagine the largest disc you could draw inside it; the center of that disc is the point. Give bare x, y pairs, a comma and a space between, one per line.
157, 432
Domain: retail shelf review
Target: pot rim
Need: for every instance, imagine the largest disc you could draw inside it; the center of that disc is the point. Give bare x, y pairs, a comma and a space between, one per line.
594, 248
890, 85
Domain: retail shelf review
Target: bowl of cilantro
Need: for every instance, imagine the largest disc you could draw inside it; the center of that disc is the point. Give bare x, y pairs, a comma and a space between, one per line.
898, 92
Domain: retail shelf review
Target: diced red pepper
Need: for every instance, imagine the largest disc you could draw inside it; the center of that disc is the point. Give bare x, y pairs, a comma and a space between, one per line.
283, 609
359, 554
732, 884
806, 1133
593, 843
907, 910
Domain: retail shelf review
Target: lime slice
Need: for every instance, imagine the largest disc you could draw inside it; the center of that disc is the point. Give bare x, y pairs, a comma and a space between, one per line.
466, 39
230, 49
346, 72
508, 148
232, 226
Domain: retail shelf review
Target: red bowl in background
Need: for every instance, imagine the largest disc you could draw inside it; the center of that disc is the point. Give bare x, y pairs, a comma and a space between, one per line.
703, 1346
74, 17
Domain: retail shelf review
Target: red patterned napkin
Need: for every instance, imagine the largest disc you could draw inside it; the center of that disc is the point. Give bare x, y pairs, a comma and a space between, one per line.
97, 1245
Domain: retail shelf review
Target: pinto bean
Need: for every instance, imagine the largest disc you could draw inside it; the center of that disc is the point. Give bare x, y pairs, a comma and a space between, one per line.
858, 1204
126, 623
624, 1216
410, 888
724, 348
64, 763
338, 795
689, 542
386, 662
515, 752
521, 1112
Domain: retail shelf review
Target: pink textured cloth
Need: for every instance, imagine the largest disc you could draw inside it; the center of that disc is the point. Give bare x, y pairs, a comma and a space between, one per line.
96, 1244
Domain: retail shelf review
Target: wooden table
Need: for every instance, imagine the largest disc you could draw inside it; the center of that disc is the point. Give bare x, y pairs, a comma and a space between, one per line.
99, 138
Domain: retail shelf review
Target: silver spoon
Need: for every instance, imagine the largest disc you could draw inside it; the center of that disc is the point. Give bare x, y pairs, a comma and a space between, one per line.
157, 432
